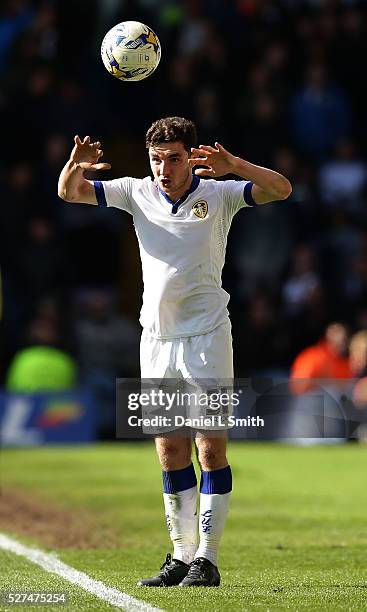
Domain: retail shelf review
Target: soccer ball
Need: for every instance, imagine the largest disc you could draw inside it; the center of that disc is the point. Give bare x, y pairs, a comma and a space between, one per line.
131, 51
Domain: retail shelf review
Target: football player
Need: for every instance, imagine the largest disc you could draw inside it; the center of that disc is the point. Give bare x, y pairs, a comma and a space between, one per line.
182, 218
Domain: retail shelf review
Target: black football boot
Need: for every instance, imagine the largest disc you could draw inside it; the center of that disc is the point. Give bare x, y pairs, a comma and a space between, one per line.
172, 573
202, 572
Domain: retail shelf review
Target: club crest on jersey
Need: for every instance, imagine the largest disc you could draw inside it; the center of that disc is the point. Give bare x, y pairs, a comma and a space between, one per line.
200, 209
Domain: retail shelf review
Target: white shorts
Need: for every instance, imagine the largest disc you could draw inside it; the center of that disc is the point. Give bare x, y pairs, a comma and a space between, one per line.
200, 364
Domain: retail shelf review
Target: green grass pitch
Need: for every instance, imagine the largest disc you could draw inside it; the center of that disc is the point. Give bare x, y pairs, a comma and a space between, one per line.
296, 536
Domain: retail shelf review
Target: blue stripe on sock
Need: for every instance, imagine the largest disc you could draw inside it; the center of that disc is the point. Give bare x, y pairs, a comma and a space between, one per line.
218, 481
179, 480
100, 194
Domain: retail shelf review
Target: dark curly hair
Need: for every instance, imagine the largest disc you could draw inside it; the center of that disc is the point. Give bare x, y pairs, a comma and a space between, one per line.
172, 129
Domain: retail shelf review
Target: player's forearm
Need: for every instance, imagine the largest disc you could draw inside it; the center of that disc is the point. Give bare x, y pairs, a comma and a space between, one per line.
272, 182
71, 181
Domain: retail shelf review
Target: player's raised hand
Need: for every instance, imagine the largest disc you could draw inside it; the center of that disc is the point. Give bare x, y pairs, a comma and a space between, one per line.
217, 160
87, 154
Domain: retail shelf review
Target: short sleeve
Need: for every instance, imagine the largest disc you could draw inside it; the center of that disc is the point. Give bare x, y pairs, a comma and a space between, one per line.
237, 195
117, 193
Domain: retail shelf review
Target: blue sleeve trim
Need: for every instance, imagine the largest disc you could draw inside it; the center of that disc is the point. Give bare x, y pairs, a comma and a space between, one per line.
100, 194
217, 481
179, 480
247, 194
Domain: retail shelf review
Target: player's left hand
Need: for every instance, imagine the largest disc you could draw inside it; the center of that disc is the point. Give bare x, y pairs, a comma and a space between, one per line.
217, 160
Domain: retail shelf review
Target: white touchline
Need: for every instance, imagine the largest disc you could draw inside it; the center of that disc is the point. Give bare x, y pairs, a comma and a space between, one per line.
52, 564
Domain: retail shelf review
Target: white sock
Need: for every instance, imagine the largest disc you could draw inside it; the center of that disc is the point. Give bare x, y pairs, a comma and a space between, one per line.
182, 523
212, 518
215, 494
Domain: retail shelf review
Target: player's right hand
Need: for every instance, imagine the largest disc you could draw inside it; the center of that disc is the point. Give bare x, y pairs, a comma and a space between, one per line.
86, 154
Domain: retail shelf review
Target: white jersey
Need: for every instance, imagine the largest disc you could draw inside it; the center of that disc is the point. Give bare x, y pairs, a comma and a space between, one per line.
182, 248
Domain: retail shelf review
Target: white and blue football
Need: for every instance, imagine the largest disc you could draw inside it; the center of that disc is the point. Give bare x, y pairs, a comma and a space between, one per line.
131, 51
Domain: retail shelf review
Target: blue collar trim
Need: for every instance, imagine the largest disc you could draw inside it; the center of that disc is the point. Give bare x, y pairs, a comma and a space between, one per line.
194, 185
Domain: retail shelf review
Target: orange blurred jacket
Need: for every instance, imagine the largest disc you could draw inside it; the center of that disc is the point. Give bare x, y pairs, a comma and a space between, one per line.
317, 361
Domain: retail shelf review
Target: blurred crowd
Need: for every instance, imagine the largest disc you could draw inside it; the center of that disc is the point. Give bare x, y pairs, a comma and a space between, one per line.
277, 82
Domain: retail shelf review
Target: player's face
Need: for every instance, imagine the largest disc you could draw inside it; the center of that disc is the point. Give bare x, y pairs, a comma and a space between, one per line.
169, 164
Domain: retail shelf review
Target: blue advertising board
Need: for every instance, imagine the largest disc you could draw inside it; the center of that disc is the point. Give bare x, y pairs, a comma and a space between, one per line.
47, 418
